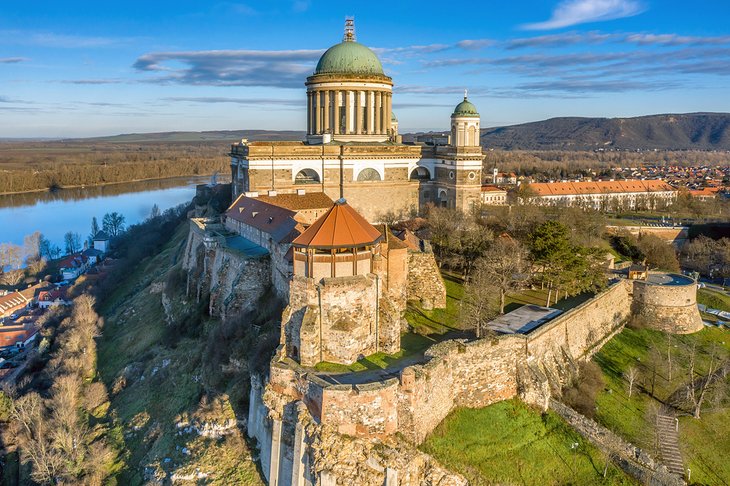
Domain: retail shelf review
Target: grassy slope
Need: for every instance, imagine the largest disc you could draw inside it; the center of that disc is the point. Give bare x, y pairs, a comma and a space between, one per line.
704, 442
510, 443
148, 409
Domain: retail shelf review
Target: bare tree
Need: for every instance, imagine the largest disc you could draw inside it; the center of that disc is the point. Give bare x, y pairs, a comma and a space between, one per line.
631, 375
697, 388
503, 265
72, 241
479, 304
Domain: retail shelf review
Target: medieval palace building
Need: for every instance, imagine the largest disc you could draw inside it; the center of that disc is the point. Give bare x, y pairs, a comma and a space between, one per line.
353, 150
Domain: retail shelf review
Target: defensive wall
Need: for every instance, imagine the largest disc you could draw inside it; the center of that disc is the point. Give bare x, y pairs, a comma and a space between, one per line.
667, 302
677, 235
413, 400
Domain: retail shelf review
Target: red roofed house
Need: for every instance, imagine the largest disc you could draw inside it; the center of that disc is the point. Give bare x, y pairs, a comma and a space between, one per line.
12, 303
624, 194
73, 265
53, 298
493, 195
17, 336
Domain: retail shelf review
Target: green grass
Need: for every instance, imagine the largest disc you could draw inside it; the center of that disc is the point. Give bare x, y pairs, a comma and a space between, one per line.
411, 344
704, 442
439, 321
157, 396
713, 299
510, 443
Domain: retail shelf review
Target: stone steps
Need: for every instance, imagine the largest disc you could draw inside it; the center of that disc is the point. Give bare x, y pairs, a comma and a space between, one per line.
669, 444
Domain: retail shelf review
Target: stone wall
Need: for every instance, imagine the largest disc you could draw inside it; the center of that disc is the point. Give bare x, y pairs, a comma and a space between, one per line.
334, 320
668, 308
424, 280
579, 330
459, 374
233, 281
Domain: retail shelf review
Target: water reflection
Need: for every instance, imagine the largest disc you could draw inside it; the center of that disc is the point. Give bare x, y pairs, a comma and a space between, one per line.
55, 213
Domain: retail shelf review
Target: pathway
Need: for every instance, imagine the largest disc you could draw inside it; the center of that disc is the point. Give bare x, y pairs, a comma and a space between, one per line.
668, 437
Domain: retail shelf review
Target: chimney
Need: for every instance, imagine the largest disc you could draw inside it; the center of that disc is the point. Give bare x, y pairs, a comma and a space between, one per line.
272, 193
301, 192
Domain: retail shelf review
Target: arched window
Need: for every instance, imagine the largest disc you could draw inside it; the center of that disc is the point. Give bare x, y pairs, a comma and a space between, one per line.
368, 175
306, 176
420, 174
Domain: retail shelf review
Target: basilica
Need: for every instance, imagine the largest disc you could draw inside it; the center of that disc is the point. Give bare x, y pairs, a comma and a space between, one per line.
352, 148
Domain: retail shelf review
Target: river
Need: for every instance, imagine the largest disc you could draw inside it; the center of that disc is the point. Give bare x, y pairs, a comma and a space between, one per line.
55, 213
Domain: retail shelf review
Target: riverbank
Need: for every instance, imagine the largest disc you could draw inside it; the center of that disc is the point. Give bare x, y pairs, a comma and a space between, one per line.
39, 166
55, 190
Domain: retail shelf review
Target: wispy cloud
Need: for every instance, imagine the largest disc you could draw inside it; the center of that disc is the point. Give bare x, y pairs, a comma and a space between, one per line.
284, 69
561, 40
238, 101
675, 40
94, 81
574, 12
13, 60
56, 40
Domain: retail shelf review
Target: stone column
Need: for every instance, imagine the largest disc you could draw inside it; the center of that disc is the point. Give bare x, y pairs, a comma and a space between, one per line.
378, 117
318, 115
388, 111
326, 126
358, 112
371, 111
337, 112
309, 112
348, 112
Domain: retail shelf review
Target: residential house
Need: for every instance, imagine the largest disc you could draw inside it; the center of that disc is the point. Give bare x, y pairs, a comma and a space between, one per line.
53, 298
73, 265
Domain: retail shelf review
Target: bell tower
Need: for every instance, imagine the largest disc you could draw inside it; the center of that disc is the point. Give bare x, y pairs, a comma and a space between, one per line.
459, 177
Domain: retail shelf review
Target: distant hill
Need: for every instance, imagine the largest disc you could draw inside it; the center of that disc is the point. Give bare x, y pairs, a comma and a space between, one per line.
210, 136
691, 131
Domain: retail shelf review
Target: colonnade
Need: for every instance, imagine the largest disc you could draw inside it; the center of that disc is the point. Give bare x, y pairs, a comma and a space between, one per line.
356, 112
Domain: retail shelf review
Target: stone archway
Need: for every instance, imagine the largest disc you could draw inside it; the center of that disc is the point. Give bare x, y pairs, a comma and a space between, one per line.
420, 174
306, 176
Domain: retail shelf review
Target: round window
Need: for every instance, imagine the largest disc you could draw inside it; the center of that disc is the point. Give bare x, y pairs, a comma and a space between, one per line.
451, 174
472, 175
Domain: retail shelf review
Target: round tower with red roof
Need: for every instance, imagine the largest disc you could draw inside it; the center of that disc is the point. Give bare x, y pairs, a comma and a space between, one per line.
334, 313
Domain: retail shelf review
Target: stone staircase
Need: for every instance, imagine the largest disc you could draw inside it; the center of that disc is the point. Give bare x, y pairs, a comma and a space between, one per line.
668, 437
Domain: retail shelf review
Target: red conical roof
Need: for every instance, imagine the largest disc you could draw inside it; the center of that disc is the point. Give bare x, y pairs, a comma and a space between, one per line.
340, 227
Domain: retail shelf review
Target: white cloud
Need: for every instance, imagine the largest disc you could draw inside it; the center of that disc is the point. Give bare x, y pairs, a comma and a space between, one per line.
574, 12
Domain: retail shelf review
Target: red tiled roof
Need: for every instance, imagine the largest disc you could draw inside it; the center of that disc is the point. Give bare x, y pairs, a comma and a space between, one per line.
598, 187
269, 218
299, 202
340, 227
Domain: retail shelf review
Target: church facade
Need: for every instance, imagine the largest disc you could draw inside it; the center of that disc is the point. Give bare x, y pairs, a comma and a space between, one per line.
352, 148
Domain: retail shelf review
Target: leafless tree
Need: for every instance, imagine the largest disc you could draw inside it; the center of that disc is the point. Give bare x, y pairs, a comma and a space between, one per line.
698, 387
631, 375
480, 302
504, 265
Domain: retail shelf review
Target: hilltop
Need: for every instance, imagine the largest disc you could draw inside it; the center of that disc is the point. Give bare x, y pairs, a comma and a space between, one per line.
691, 131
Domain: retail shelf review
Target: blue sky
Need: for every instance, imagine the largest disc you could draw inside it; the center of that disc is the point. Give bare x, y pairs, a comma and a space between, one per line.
95, 68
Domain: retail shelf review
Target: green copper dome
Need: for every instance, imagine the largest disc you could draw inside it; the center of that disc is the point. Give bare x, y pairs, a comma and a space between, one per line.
392, 117
349, 57
465, 108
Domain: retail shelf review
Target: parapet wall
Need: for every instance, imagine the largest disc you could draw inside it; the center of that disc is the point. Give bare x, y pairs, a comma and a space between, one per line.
459, 374
580, 330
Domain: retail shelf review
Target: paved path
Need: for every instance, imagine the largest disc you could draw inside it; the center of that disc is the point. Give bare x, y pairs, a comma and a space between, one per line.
668, 437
